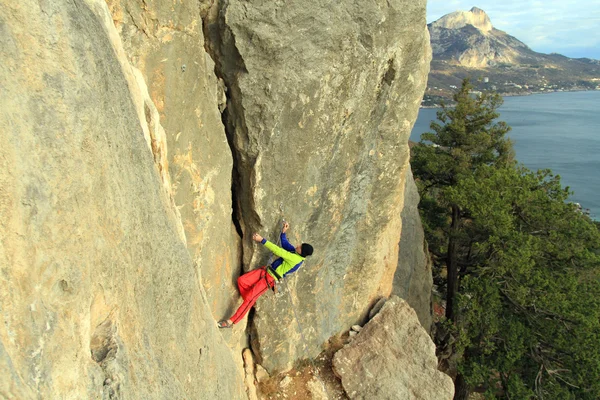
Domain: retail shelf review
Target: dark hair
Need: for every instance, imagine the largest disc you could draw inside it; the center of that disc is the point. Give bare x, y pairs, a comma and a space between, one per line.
307, 250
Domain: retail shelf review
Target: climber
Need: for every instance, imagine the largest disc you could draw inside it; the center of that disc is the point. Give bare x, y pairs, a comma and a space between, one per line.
256, 282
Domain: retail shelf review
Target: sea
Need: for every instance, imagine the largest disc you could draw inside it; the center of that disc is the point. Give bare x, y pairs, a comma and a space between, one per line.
558, 131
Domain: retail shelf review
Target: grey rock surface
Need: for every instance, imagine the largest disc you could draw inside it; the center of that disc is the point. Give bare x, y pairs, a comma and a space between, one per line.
392, 358
413, 280
321, 101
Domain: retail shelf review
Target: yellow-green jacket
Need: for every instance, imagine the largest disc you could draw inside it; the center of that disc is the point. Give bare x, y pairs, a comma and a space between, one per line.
289, 261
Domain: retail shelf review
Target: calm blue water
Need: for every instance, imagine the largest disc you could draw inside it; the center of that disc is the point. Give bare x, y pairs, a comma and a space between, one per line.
559, 131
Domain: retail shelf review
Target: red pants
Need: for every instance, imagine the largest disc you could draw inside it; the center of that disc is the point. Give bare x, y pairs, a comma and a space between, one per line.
252, 285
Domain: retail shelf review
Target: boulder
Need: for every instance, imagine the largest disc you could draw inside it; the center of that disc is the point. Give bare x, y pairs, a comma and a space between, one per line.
317, 389
261, 374
392, 358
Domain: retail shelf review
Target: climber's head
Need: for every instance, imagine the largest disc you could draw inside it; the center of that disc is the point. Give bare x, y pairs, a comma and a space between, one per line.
304, 250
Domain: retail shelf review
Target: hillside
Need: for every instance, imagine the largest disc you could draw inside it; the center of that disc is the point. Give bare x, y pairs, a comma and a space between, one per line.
465, 44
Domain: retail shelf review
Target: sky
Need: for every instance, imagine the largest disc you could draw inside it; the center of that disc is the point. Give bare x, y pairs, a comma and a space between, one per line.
551, 26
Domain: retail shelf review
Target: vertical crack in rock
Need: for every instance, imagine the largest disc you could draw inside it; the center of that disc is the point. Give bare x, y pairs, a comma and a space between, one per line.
229, 66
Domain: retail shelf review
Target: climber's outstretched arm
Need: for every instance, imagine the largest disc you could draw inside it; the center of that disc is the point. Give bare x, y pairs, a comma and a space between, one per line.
284, 241
278, 251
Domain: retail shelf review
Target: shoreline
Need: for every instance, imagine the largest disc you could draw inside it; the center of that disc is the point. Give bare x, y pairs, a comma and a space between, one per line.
515, 94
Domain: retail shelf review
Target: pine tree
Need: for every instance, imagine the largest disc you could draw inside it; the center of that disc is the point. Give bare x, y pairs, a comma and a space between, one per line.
523, 265
466, 138
529, 305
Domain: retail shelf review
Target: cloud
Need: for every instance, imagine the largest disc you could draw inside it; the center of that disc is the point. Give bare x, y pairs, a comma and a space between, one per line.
542, 25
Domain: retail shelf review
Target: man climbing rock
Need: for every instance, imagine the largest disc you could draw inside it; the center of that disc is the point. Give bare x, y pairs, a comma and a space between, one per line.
254, 283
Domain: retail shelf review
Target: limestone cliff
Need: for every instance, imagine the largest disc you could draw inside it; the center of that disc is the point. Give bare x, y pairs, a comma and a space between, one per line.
322, 97
100, 296
144, 141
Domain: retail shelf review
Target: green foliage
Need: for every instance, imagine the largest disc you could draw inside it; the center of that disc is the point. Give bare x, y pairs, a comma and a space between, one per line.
465, 138
527, 304
537, 275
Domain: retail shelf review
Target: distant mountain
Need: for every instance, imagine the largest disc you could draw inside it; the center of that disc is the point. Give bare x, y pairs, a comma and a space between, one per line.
464, 43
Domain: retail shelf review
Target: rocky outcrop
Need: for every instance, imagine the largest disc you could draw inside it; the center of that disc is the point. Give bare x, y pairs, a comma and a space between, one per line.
475, 17
392, 357
413, 280
320, 126
469, 39
144, 141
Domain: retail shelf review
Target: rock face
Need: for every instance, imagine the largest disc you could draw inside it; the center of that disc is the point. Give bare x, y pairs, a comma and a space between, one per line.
144, 141
392, 358
164, 43
100, 296
320, 125
413, 279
